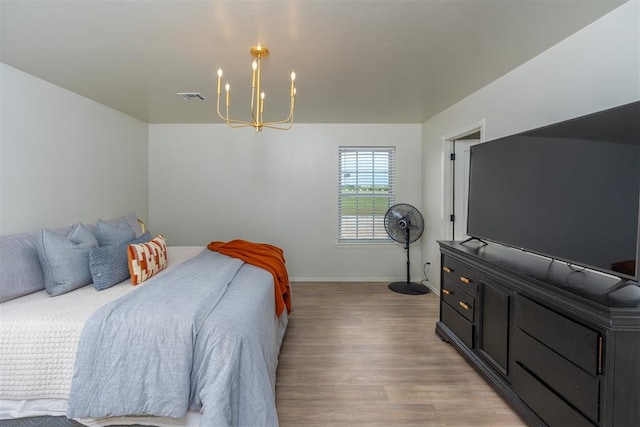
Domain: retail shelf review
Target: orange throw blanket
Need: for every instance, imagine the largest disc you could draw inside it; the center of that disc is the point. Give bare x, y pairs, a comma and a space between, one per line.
262, 255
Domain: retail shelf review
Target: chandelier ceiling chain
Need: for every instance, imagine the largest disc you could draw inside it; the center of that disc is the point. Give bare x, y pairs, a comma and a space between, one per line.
257, 97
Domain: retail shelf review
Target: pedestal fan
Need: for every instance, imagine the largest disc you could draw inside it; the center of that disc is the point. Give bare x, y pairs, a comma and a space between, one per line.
405, 224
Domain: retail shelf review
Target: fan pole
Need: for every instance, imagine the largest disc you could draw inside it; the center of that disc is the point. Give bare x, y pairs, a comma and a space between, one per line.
408, 287
408, 259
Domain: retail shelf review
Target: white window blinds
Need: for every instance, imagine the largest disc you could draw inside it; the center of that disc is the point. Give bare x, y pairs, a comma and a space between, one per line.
365, 193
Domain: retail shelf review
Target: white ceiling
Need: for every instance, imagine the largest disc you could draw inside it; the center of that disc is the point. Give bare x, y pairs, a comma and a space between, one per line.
357, 61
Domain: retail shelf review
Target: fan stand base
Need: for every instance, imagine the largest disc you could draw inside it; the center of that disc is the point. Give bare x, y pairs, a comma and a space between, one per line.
408, 288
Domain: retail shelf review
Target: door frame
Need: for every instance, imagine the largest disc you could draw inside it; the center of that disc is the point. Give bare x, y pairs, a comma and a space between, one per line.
446, 148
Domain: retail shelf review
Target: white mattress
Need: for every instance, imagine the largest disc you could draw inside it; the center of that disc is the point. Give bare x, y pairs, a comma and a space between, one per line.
39, 336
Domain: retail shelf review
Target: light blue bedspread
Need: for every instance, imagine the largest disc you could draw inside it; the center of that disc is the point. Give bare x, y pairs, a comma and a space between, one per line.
203, 335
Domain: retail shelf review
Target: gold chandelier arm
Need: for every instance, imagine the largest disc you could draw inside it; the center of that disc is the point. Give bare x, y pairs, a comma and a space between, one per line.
292, 108
220, 115
287, 120
228, 121
239, 124
274, 125
233, 122
218, 101
277, 127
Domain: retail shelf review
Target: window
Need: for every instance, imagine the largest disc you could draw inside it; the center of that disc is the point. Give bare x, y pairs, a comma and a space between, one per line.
365, 192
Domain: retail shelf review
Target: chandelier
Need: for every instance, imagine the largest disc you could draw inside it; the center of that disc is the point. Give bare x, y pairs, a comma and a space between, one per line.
257, 98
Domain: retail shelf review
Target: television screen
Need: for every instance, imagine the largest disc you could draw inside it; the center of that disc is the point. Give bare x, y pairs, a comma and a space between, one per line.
569, 191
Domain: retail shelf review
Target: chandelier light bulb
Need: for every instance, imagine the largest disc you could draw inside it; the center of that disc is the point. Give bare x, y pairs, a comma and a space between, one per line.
293, 84
219, 76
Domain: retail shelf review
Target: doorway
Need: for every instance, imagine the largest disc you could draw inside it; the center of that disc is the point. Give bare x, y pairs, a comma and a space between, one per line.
456, 154
461, 161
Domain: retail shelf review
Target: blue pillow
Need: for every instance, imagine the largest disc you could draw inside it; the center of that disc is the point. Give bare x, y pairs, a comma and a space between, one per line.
109, 264
65, 259
117, 234
20, 270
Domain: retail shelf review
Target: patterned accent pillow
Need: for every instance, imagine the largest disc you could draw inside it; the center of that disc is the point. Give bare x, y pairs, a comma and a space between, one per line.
147, 259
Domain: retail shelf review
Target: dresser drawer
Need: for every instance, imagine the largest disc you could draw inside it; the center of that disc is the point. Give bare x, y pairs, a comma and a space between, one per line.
462, 302
457, 323
577, 343
458, 273
575, 386
545, 403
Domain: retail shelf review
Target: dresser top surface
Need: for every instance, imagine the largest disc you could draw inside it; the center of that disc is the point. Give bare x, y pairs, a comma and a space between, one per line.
588, 284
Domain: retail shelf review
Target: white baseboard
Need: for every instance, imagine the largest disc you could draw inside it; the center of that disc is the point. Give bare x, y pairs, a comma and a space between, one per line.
348, 279
434, 289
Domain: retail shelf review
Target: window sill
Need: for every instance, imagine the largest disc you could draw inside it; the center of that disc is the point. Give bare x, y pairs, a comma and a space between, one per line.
362, 245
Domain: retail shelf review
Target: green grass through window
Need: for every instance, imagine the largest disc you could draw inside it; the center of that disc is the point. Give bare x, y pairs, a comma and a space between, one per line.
364, 205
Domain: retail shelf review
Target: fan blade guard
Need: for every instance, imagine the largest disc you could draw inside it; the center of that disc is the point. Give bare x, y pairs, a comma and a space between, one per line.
401, 220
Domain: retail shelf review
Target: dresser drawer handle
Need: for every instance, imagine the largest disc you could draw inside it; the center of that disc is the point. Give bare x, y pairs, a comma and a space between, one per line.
465, 306
447, 269
447, 291
465, 280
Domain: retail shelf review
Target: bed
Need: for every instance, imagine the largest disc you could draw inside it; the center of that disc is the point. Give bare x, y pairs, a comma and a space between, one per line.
189, 354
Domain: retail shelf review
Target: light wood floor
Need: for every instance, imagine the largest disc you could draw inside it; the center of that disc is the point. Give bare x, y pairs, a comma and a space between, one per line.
357, 354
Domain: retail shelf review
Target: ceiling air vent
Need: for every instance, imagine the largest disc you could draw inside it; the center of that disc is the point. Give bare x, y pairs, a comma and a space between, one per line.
191, 96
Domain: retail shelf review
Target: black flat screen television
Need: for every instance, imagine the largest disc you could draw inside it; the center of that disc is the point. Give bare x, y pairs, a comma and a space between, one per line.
569, 191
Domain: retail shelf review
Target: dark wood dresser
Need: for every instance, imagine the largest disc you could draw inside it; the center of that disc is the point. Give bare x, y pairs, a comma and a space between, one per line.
559, 348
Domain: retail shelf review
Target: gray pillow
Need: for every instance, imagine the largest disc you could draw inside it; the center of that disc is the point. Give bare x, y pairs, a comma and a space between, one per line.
114, 234
65, 259
20, 270
130, 218
109, 264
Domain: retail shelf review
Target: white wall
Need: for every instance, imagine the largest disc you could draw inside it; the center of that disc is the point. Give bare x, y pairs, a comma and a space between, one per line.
209, 182
594, 69
65, 158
